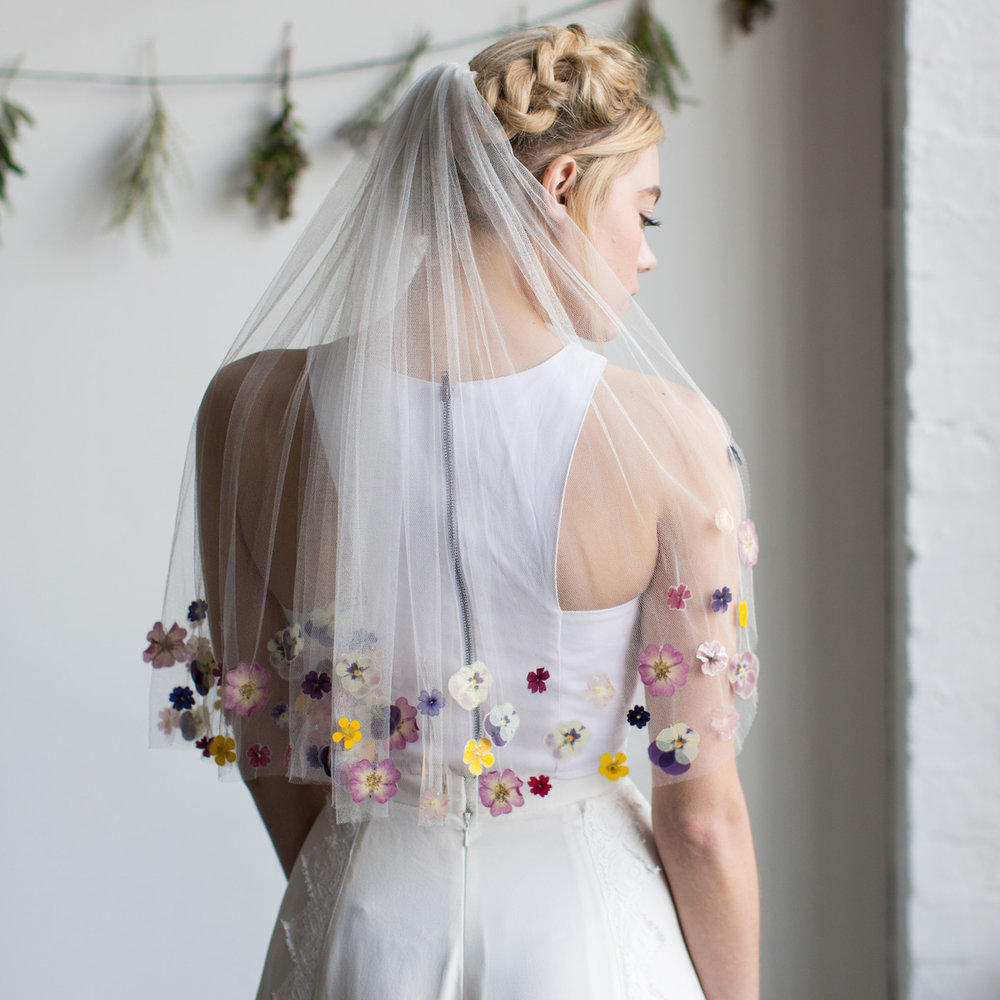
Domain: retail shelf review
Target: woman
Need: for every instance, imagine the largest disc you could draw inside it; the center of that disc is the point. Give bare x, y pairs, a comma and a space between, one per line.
463, 520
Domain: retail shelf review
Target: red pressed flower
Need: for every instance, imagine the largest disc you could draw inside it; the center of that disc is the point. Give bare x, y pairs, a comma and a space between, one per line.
202, 745
537, 679
540, 785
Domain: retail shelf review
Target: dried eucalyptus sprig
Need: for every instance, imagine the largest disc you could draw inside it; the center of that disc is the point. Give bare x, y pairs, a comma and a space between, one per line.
650, 38
355, 130
748, 12
140, 186
12, 117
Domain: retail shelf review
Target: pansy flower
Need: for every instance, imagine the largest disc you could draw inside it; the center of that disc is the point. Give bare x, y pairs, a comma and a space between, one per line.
663, 669
370, 781
363, 640
358, 673
724, 521
725, 722
746, 536
259, 755
713, 656
677, 597
567, 738
247, 687
600, 690
478, 754
501, 792
743, 674
501, 724
181, 698
430, 702
197, 611
637, 716
285, 645
349, 732
539, 785
202, 665
319, 625
280, 715
194, 723
434, 804
675, 748
223, 749
170, 719
402, 724
166, 647
316, 683
469, 685
537, 679
613, 767
721, 599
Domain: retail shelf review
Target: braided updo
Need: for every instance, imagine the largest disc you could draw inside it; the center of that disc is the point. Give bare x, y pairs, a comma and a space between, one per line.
560, 91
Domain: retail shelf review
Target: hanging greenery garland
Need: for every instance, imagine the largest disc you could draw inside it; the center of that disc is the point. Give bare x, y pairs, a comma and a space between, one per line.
12, 117
650, 38
279, 158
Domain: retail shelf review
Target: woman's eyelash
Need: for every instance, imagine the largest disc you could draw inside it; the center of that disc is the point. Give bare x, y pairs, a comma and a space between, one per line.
648, 220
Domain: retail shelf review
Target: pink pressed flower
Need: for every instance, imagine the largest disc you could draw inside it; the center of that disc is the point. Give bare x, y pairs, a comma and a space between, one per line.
247, 687
170, 719
501, 792
402, 724
600, 690
725, 722
537, 679
713, 656
371, 782
662, 669
743, 674
259, 755
166, 648
434, 804
746, 536
724, 520
677, 597
540, 785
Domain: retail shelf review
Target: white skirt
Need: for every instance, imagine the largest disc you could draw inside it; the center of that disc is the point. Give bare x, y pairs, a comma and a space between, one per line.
563, 897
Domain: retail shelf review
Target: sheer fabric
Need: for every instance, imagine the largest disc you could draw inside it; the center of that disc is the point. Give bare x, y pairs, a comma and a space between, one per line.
454, 517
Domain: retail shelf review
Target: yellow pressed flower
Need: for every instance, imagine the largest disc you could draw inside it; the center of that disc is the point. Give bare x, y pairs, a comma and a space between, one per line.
478, 754
613, 768
350, 732
223, 749
743, 614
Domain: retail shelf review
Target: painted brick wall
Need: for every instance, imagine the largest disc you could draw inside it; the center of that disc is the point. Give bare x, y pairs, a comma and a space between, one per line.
952, 245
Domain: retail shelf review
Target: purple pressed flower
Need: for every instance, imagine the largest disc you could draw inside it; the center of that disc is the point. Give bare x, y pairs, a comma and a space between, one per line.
166, 647
181, 698
662, 669
638, 717
363, 640
721, 599
316, 684
197, 611
280, 715
537, 679
402, 724
312, 756
674, 749
501, 792
369, 781
430, 702
743, 673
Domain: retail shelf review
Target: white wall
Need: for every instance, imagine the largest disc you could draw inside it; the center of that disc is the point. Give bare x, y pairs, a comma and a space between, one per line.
951, 297
128, 873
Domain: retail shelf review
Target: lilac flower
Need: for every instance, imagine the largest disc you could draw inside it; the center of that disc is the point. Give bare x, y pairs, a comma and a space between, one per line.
430, 702
721, 599
197, 611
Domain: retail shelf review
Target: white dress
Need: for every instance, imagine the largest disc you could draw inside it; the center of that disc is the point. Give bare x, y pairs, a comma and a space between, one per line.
562, 896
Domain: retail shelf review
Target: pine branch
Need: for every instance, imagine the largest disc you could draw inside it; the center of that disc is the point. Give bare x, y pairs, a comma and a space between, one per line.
357, 129
277, 162
650, 38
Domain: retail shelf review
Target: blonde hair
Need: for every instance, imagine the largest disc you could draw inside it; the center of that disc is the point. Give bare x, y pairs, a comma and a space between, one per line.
560, 91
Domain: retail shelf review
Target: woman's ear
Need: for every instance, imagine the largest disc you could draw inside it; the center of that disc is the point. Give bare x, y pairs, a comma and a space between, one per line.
559, 176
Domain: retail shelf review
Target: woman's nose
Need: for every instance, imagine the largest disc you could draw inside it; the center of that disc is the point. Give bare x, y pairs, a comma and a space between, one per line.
647, 259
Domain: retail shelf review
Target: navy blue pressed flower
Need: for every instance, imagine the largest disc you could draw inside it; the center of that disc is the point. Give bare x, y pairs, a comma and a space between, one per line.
637, 717
312, 756
181, 698
316, 684
721, 599
324, 757
197, 611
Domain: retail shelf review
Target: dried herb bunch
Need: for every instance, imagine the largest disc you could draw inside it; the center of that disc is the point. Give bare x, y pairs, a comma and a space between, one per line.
748, 12
650, 38
140, 186
278, 161
12, 117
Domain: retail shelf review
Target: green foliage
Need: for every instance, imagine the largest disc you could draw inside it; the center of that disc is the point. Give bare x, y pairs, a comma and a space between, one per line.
140, 185
277, 162
358, 128
650, 38
748, 12
12, 117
